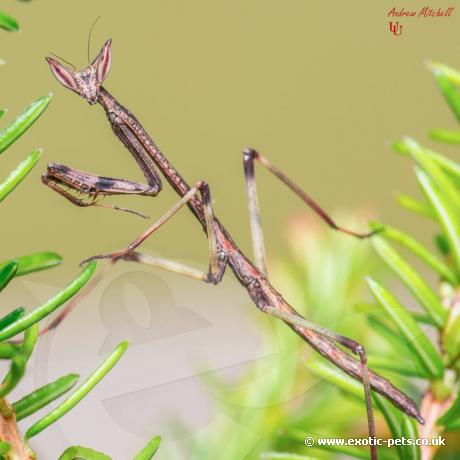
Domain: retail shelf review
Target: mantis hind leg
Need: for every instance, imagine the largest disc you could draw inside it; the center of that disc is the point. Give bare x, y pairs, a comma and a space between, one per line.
249, 157
348, 343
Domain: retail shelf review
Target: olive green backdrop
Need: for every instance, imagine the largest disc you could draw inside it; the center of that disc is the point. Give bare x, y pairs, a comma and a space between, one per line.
321, 88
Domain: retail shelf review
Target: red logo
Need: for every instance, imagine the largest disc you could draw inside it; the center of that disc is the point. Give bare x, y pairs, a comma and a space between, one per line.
395, 28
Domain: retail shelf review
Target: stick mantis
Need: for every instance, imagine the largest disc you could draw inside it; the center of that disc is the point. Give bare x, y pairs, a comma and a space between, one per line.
85, 189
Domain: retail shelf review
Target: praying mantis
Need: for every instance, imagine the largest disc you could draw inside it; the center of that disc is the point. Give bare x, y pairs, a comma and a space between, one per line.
85, 189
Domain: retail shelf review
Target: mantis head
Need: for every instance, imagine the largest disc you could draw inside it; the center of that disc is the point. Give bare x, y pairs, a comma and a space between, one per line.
86, 82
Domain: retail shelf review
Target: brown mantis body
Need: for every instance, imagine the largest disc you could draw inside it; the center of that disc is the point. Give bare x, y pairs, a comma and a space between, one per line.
223, 250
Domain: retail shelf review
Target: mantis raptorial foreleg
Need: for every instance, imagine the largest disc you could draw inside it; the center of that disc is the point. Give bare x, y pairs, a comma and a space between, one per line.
90, 188
135, 147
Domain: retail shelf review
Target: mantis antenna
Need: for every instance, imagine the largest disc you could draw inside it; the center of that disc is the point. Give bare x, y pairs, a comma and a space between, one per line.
63, 60
90, 33
89, 42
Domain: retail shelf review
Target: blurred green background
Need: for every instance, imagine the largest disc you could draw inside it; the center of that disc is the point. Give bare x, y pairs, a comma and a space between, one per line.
320, 88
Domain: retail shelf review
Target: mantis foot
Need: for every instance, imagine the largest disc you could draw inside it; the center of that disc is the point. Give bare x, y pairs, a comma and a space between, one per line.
111, 255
